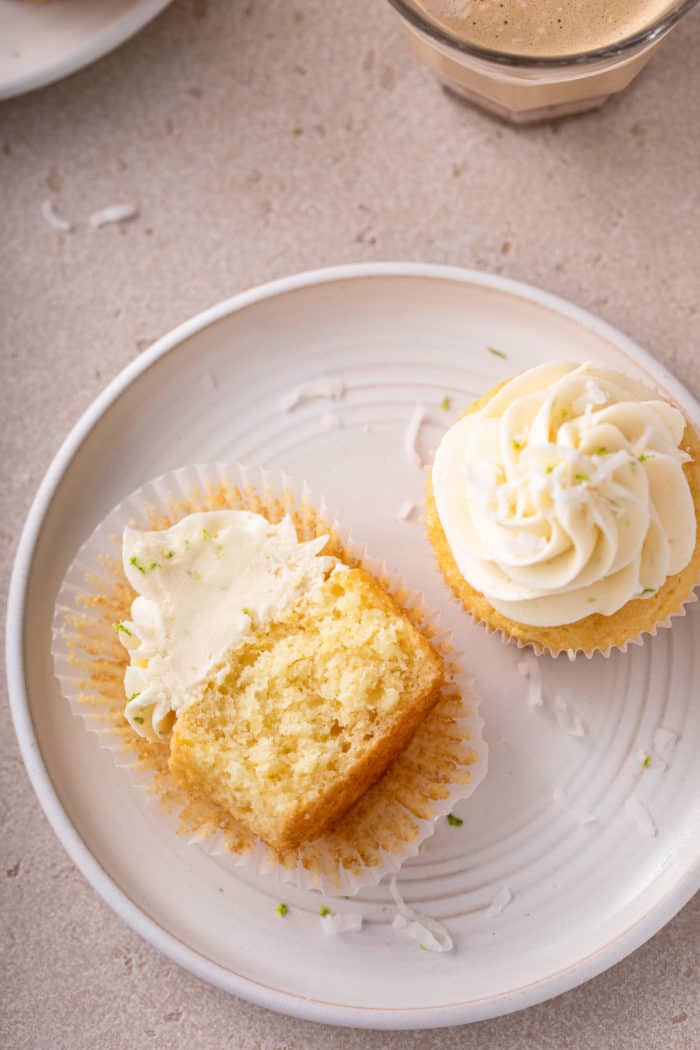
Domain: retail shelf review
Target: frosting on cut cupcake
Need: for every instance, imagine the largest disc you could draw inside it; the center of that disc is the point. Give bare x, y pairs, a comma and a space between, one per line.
202, 585
565, 494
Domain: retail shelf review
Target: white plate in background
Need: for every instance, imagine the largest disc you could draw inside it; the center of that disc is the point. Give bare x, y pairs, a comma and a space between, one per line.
583, 897
43, 42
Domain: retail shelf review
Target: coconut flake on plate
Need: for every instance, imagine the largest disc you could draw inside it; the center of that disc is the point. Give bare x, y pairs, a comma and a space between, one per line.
529, 668
407, 510
567, 717
426, 931
578, 813
499, 903
333, 924
113, 213
323, 389
663, 742
51, 216
331, 421
641, 816
410, 442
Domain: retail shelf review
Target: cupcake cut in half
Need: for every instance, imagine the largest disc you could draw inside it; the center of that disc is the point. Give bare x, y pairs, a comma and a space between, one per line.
285, 681
563, 508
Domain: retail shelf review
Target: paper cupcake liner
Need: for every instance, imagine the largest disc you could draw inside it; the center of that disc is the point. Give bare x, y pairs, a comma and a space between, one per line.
443, 764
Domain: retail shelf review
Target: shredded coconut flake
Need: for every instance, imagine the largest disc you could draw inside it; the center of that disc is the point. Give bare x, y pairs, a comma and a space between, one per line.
428, 932
641, 816
411, 437
314, 390
529, 668
407, 509
113, 213
578, 813
499, 903
342, 922
330, 421
663, 742
51, 216
567, 718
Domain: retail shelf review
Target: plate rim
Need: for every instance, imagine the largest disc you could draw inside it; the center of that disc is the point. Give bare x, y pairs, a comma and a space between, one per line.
105, 40
172, 947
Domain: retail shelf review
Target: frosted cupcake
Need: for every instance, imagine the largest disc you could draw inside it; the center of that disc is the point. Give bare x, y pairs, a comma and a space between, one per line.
285, 680
563, 508
296, 707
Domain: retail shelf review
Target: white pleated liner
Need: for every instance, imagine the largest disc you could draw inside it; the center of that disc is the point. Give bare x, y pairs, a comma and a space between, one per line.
541, 650
94, 569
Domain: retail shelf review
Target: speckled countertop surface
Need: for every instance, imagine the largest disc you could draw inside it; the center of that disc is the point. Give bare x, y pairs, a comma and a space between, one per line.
258, 140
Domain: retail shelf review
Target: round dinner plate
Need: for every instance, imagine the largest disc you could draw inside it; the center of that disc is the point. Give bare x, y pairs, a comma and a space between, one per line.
43, 42
586, 847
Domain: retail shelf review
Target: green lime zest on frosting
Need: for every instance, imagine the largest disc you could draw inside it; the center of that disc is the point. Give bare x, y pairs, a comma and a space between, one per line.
550, 468
422, 947
582, 477
324, 910
445, 403
154, 565
591, 600
137, 565
601, 452
132, 697
517, 445
455, 822
137, 718
194, 574
121, 627
649, 590
246, 610
564, 413
282, 910
643, 458
296, 132
647, 762
168, 555
497, 353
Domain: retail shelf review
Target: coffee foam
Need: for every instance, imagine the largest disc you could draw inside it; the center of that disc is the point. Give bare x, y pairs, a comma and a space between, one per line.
544, 27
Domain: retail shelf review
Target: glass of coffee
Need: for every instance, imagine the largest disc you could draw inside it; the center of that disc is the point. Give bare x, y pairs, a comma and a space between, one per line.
527, 60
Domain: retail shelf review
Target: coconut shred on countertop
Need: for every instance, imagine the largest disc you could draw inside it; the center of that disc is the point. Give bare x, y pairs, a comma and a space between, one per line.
565, 494
201, 586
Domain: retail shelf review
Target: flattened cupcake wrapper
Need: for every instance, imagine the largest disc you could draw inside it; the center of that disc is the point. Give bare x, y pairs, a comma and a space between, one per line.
444, 763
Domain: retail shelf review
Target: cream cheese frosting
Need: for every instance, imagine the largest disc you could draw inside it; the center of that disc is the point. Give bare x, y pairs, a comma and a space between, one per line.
202, 585
565, 494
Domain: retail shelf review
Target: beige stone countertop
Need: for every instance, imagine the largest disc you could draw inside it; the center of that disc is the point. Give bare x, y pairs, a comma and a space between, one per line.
260, 139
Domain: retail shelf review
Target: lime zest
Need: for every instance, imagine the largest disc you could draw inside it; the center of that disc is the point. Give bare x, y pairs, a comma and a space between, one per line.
582, 477
647, 762
497, 353
168, 555
324, 910
282, 910
137, 565
550, 468
590, 600
194, 574
517, 445
296, 132
246, 610
453, 821
137, 718
602, 451
649, 590
132, 697
445, 403
643, 458
123, 629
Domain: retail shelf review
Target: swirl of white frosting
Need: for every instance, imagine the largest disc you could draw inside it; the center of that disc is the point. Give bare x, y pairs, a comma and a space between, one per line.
565, 494
202, 586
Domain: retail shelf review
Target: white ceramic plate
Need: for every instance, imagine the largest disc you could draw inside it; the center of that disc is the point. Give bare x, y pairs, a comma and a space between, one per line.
43, 42
583, 897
